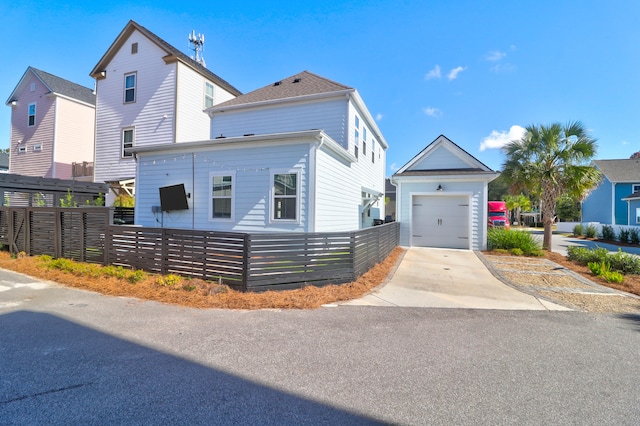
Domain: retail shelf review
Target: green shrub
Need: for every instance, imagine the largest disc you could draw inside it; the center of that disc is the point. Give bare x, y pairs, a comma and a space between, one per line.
578, 230
603, 270
136, 276
634, 236
508, 239
171, 280
608, 233
623, 235
625, 263
591, 231
516, 251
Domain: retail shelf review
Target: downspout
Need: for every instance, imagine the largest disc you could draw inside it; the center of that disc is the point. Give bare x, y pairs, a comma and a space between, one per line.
313, 174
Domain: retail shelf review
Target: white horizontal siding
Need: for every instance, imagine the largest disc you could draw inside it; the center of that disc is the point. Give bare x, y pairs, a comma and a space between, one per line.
152, 114
327, 115
338, 197
251, 166
192, 123
440, 158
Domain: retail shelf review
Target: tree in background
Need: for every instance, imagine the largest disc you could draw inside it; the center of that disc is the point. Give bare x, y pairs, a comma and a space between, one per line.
498, 188
635, 155
518, 203
549, 161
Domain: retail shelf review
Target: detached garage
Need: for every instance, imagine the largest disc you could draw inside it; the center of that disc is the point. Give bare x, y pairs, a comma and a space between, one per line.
441, 198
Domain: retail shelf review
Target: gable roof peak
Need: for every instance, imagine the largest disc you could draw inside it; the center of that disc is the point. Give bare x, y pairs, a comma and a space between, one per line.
170, 50
57, 85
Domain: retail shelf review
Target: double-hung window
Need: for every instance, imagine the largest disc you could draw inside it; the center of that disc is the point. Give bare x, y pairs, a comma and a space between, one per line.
128, 137
32, 115
286, 191
221, 195
130, 88
208, 95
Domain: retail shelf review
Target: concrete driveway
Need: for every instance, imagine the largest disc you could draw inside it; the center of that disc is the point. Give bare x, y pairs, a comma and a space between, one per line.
443, 278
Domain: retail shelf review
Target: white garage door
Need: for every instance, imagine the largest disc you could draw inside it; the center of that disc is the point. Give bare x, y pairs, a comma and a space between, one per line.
440, 221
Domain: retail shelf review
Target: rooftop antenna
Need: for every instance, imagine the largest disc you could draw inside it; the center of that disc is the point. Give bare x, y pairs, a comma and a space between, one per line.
196, 43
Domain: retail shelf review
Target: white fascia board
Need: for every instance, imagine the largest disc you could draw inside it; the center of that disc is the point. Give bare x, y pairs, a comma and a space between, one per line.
234, 142
444, 178
296, 99
372, 123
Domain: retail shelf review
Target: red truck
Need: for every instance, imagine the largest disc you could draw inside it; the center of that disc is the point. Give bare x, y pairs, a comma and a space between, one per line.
498, 214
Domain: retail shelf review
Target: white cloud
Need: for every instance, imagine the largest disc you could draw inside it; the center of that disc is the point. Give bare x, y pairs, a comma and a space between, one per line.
434, 73
378, 117
394, 167
432, 112
495, 56
499, 139
505, 67
453, 74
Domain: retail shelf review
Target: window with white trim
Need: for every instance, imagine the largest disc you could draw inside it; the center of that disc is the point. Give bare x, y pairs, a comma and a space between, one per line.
22, 149
286, 202
208, 94
635, 188
32, 115
128, 138
130, 88
221, 195
357, 143
637, 215
37, 147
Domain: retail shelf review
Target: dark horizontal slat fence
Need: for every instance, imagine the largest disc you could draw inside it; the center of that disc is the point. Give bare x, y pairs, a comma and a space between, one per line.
244, 261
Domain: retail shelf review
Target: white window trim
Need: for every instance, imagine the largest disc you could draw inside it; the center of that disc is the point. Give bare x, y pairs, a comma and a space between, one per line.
635, 187
135, 88
133, 142
37, 147
637, 214
35, 112
22, 149
231, 173
272, 195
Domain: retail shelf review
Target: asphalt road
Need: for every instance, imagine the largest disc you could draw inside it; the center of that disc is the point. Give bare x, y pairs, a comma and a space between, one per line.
74, 357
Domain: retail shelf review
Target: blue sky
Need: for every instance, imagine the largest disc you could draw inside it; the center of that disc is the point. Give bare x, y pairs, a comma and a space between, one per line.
473, 71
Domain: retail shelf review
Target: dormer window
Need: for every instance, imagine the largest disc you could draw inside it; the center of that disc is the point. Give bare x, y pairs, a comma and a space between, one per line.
129, 88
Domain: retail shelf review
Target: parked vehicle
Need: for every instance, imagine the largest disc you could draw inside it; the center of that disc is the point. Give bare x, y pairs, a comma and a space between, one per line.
498, 214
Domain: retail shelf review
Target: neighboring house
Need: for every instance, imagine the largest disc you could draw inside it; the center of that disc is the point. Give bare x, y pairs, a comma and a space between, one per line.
52, 125
442, 198
390, 200
4, 162
149, 93
302, 154
610, 202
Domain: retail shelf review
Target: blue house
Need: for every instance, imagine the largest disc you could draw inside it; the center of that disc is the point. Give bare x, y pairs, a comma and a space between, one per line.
616, 199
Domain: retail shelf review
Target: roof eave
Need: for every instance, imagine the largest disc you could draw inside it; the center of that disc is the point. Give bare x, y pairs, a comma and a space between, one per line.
315, 96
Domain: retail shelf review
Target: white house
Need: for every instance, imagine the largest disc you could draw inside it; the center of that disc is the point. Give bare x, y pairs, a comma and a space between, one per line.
441, 198
148, 93
301, 154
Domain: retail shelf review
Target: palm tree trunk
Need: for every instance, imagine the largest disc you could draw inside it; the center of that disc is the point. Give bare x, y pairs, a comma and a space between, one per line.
548, 210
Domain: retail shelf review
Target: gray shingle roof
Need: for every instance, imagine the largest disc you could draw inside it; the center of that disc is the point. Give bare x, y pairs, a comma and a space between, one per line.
301, 84
126, 32
65, 87
620, 170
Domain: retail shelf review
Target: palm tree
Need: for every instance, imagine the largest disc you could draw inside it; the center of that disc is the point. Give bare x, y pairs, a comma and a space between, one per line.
549, 161
518, 203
